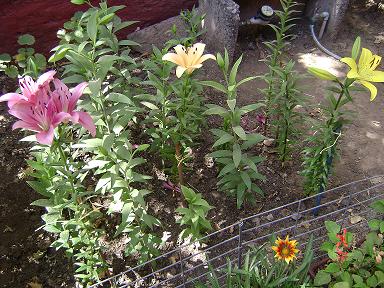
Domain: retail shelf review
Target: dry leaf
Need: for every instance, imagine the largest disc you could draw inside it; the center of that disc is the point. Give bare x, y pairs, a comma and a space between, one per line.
355, 219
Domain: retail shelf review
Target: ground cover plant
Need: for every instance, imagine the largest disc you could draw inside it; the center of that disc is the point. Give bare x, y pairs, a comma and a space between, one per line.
94, 127
353, 263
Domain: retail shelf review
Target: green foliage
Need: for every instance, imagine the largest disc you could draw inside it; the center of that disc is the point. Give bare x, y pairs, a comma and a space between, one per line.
25, 62
285, 119
194, 28
260, 270
194, 216
318, 157
174, 110
238, 168
98, 189
282, 94
277, 47
362, 265
322, 149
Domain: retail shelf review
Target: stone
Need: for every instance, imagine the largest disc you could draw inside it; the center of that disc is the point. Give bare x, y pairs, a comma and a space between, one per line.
222, 20
270, 217
256, 221
296, 216
269, 142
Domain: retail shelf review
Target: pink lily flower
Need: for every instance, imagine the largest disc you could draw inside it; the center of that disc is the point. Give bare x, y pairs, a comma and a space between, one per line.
29, 89
41, 118
65, 100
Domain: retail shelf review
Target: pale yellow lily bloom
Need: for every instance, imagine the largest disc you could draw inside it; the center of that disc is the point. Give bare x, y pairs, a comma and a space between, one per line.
365, 71
188, 59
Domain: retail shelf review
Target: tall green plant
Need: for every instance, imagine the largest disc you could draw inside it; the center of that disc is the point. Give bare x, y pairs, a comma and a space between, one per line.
277, 47
109, 162
282, 94
238, 168
318, 157
285, 117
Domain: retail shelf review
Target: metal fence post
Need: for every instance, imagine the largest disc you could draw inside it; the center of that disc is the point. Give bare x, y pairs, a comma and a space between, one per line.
182, 267
297, 218
240, 245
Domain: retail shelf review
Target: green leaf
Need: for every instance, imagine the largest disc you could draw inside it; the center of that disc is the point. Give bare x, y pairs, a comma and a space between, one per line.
223, 139
249, 108
214, 85
5, 58
380, 277
108, 141
356, 48
26, 39
231, 104
221, 153
371, 281
106, 19
233, 74
357, 279
59, 54
119, 98
382, 227
92, 26
128, 43
240, 132
246, 179
227, 168
332, 268
11, 71
378, 206
236, 154
322, 74
40, 61
43, 203
322, 278
78, 2
215, 110
332, 227
342, 285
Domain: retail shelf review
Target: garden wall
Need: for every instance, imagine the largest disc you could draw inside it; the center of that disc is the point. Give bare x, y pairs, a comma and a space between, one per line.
43, 18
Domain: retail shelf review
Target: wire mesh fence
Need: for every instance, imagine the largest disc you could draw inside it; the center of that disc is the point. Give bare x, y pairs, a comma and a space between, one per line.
189, 264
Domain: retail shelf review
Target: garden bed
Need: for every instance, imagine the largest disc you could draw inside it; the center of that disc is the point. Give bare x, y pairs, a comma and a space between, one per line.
26, 257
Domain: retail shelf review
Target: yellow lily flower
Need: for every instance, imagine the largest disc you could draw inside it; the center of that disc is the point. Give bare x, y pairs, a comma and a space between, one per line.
188, 59
364, 72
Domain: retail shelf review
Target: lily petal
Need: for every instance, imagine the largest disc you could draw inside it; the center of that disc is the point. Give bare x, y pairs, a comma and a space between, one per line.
86, 121
46, 78
45, 137
195, 53
12, 98
206, 57
76, 94
174, 58
60, 117
351, 63
365, 58
375, 76
180, 71
372, 88
23, 111
24, 125
180, 50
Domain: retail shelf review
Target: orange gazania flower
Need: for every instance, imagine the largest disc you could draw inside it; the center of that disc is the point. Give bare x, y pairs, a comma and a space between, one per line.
285, 249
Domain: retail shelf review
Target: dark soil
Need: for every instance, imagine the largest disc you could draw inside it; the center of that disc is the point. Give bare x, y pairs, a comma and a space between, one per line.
26, 260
